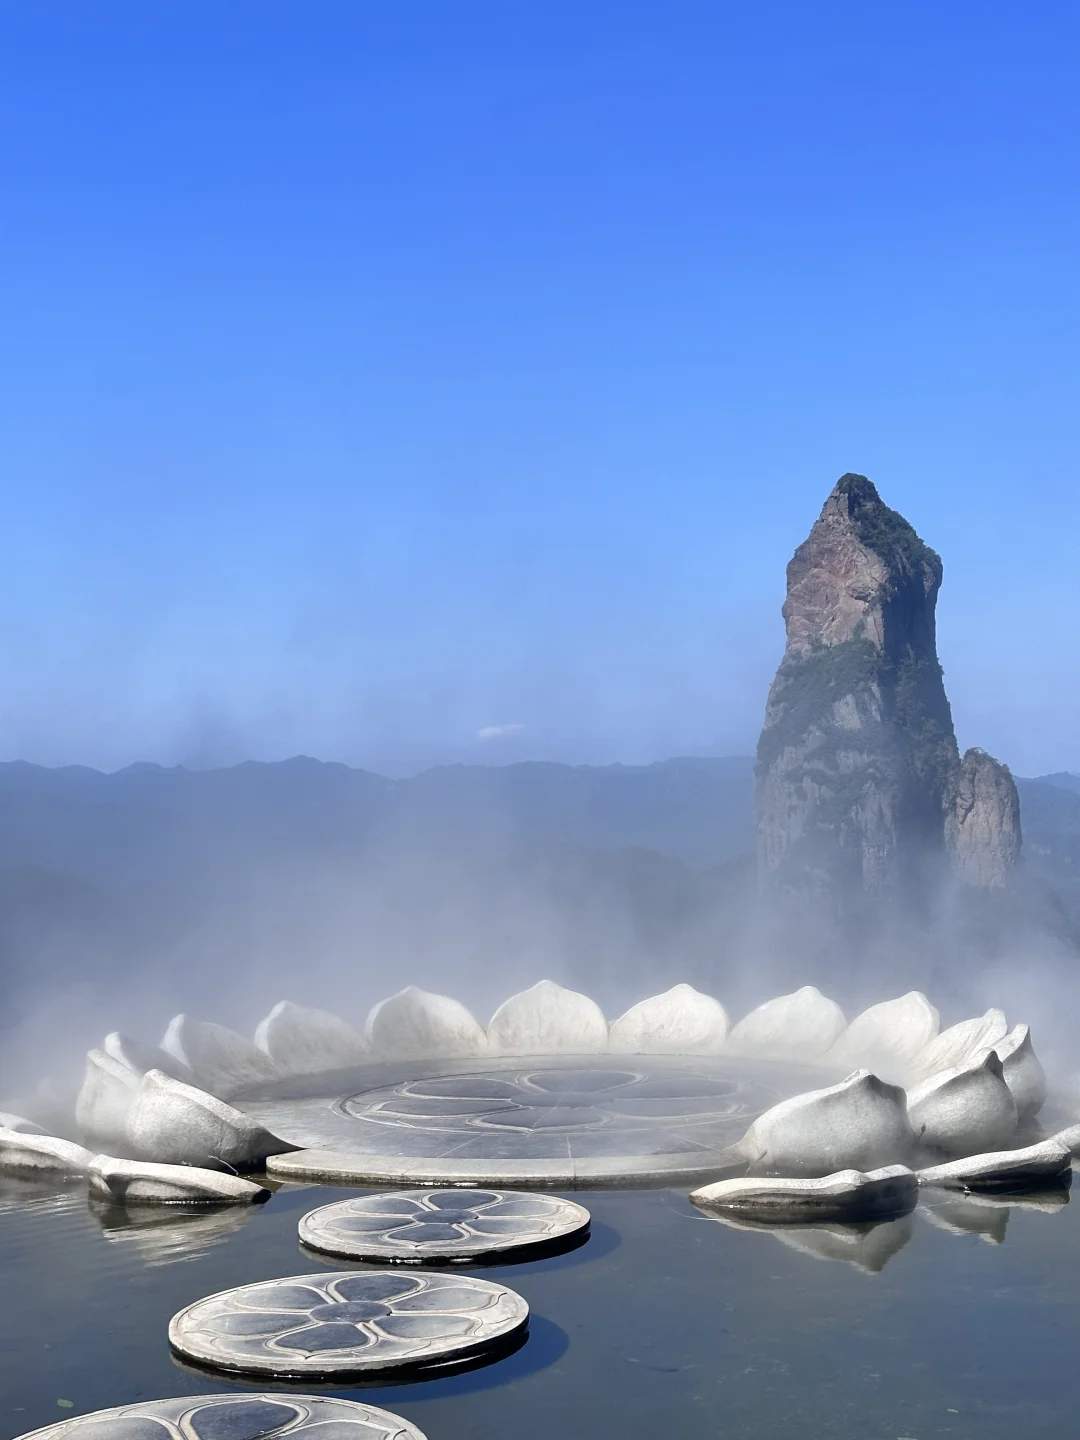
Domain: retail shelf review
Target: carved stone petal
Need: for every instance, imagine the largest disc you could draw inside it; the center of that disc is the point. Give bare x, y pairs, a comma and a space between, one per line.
888, 1036
964, 1111
221, 1060
1048, 1162
419, 1023
1024, 1075
24, 1153
805, 1023
176, 1124
546, 1020
300, 1040
105, 1098
136, 1182
844, 1195
960, 1044
681, 1021
860, 1124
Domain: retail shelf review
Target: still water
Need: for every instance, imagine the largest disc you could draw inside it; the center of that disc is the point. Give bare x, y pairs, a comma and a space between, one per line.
961, 1321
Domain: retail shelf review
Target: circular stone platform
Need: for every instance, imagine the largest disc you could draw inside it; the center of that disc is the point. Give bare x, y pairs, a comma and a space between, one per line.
547, 1120
348, 1323
215, 1417
414, 1227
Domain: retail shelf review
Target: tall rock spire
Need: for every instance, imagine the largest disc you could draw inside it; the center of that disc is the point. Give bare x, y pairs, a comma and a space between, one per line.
858, 772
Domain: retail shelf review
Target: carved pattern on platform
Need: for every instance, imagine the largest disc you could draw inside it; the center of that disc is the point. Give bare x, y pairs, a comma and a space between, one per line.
414, 1226
347, 1322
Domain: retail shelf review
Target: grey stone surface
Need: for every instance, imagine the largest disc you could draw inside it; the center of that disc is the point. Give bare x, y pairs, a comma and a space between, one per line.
300, 1040
138, 1057
681, 1021
221, 1060
804, 1023
348, 1323
860, 1123
418, 1023
960, 1044
23, 1152
233, 1416
1026, 1169
965, 1112
105, 1097
548, 1019
443, 1226
140, 1182
845, 1195
1070, 1138
1024, 1075
19, 1123
546, 1122
178, 1124
887, 1037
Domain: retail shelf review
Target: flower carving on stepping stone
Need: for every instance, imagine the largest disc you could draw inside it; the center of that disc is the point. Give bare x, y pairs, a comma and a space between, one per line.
564, 1099
348, 1322
417, 1226
234, 1417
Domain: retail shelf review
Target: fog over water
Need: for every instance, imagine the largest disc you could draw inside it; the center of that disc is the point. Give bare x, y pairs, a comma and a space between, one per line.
130, 897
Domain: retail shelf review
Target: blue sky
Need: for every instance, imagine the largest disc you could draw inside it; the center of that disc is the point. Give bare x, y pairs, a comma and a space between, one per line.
378, 376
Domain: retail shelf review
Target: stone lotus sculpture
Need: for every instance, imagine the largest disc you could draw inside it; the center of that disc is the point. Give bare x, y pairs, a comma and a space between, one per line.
804, 1024
300, 1040
138, 1057
19, 1124
171, 1104
548, 1019
1024, 1075
965, 1110
859, 1124
888, 1036
138, 1182
24, 1152
417, 1022
961, 1043
681, 1021
175, 1123
845, 1195
218, 1058
1047, 1162
103, 1102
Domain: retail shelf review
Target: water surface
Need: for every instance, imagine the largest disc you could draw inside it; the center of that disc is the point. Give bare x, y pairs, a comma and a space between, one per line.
959, 1322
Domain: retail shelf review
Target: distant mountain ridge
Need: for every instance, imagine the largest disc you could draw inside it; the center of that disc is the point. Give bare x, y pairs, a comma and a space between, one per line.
224, 890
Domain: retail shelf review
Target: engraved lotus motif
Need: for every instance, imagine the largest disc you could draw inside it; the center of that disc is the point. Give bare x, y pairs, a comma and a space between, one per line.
335, 1322
553, 1098
228, 1417
418, 1225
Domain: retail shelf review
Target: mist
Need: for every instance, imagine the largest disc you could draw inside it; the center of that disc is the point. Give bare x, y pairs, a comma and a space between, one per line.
130, 897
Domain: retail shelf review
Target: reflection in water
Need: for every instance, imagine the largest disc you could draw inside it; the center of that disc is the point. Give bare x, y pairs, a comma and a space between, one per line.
19, 1194
868, 1246
986, 1216
167, 1234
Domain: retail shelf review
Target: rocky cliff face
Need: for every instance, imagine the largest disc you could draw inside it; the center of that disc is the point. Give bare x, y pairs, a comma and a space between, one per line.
982, 822
860, 786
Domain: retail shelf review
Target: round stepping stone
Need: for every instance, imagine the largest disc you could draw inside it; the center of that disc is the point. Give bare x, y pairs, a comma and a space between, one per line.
414, 1227
347, 1322
222, 1417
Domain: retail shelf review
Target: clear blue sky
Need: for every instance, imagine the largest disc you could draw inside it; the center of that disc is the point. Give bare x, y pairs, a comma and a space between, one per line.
374, 375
